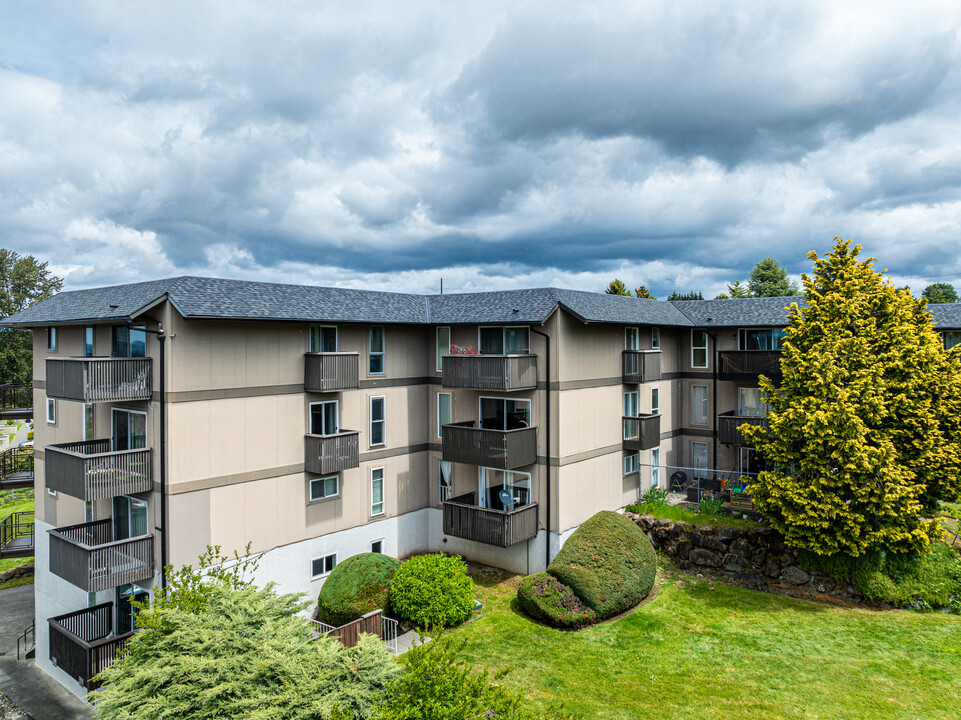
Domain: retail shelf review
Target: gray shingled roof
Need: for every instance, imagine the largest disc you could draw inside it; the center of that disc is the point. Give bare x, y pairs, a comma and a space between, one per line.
946, 316
739, 312
603, 308
531, 306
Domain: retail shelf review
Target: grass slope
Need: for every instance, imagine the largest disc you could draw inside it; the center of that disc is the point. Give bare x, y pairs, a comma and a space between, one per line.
673, 512
705, 650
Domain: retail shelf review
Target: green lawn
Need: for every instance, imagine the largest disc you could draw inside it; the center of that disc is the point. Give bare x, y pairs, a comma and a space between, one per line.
673, 512
700, 649
7, 563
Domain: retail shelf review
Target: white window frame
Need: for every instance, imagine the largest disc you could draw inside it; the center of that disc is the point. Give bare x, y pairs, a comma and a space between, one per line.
383, 545
440, 347
51, 411
503, 329
321, 327
383, 493
323, 479
632, 338
655, 338
326, 572
704, 403
632, 464
51, 338
83, 338
381, 353
336, 404
703, 347
450, 400
441, 495
530, 405
511, 478
371, 421
655, 401
634, 395
741, 405
51, 493
656, 467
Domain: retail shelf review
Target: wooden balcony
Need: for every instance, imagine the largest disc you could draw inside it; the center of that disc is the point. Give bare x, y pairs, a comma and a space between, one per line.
82, 643
90, 471
100, 379
746, 365
728, 424
501, 449
463, 518
490, 372
87, 556
641, 366
326, 454
642, 433
329, 372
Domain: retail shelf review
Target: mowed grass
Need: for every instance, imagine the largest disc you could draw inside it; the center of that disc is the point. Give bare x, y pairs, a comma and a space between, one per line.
8, 563
701, 649
673, 512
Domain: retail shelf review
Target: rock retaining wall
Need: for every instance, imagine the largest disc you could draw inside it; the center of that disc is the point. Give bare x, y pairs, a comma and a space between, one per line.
755, 558
21, 571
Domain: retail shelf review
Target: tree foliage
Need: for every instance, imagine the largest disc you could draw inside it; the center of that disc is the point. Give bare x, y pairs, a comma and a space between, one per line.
355, 587
734, 290
644, 293
940, 293
863, 436
432, 591
23, 282
769, 279
214, 646
692, 295
617, 287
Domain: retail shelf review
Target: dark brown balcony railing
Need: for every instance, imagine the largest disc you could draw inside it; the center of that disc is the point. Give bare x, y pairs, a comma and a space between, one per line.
641, 366
642, 433
327, 372
90, 471
490, 372
16, 396
325, 454
728, 424
87, 556
99, 379
463, 518
502, 449
82, 643
16, 535
746, 365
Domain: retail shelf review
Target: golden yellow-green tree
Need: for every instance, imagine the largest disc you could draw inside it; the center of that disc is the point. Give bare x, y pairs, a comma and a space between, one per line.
863, 436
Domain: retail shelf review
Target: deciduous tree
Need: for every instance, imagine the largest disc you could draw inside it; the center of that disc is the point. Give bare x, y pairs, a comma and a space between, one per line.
23, 282
940, 293
863, 437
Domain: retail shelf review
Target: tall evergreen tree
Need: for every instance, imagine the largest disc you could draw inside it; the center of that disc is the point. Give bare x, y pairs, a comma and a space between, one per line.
769, 279
643, 292
940, 293
23, 282
693, 295
617, 287
863, 437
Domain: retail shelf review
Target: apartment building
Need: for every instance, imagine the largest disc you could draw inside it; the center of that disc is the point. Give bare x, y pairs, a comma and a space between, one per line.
317, 423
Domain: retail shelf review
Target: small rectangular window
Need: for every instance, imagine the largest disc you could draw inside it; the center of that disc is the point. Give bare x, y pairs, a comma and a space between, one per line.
51, 411
445, 480
630, 404
443, 346
699, 348
655, 401
630, 338
88, 341
760, 338
322, 339
699, 405
951, 338
321, 567
377, 352
656, 467
750, 403
377, 546
699, 459
87, 421
443, 411
376, 491
324, 487
631, 463
51, 338
324, 418
656, 338
378, 421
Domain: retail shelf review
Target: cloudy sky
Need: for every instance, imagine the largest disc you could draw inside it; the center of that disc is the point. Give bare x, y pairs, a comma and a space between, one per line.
494, 145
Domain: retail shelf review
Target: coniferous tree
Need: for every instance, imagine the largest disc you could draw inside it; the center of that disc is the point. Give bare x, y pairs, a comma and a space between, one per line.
643, 292
693, 295
769, 279
940, 293
863, 437
617, 287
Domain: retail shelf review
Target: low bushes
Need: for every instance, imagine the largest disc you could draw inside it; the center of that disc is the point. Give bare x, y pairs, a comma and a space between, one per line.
356, 587
543, 597
432, 591
608, 562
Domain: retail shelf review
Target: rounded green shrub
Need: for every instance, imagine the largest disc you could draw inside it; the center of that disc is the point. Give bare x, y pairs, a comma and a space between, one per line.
545, 598
356, 587
608, 562
432, 591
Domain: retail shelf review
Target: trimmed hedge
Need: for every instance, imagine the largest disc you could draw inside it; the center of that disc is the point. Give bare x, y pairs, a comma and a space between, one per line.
432, 591
545, 598
608, 562
356, 587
